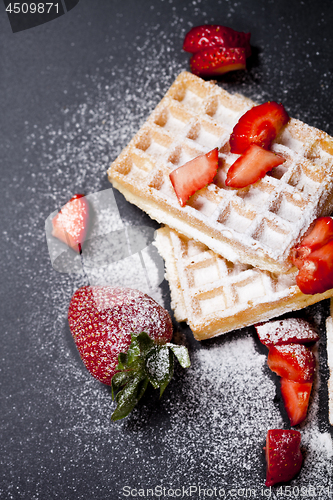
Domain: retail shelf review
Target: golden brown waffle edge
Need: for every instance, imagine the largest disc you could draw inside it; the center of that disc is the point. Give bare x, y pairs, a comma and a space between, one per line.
215, 296
257, 225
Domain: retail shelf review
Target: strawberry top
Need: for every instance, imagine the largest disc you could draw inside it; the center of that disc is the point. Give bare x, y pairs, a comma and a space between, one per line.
102, 319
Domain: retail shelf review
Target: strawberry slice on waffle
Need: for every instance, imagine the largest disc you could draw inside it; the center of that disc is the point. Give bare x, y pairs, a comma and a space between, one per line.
259, 125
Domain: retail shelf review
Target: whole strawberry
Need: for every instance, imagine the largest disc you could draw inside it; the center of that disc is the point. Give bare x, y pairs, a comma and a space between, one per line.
123, 338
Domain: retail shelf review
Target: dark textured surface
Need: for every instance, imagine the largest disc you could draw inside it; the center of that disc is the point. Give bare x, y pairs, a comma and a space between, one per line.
109, 62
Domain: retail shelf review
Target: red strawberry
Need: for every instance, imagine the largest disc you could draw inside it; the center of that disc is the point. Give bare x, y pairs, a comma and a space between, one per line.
286, 331
207, 36
296, 397
217, 60
102, 318
123, 338
283, 455
252, 166
316, 271
259, 125
194, 175
292, 361
314, 258
70, 225
320, 234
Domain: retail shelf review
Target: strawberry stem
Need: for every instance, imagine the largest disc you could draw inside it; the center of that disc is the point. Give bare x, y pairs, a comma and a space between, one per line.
145, 362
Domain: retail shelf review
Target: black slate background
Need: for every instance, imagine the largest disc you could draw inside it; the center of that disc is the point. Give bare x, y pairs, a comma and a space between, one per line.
54, 67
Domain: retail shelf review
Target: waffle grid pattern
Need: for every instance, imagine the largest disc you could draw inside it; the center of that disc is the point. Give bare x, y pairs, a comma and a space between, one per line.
216, 296
258, 224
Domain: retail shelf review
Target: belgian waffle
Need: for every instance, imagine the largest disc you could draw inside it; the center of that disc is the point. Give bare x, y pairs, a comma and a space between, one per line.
329, 335
256, 225
215, 296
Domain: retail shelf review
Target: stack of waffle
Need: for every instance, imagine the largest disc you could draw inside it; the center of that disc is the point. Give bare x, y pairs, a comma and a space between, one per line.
227, 252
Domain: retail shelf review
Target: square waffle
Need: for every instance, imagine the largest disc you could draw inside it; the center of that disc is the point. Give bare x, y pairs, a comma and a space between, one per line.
256, 225
215, 296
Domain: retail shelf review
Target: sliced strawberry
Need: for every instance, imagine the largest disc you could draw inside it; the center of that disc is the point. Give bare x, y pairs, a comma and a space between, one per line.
207, 36
217, 60
296, 397
283, 455
292, 361
194, 175
252, 166
320, 234
316, 272
259, 125
286, 331
70, 225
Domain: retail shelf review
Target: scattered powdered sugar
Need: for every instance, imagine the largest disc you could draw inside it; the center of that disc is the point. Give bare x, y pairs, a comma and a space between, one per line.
210, 426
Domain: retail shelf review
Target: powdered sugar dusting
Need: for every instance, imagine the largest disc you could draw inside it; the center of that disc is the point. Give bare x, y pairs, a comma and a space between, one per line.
286, 331
211, 424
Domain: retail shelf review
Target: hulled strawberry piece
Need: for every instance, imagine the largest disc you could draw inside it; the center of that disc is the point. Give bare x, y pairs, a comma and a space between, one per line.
217, 60
320, 234
209, 36
123, 339
296, 396
251, 166
316, 271
194, 175
286, 331
283, 455
259, 125
70, 225
292, 361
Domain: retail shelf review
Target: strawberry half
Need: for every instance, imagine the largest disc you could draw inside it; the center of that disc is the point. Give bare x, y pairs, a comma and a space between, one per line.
283, 455
123, 339
320, 234
70, 225
259, 125
292, 361
251, 166
286, 331
217, 60
316, 271
296, 396
194, 175
213, 35
314, 258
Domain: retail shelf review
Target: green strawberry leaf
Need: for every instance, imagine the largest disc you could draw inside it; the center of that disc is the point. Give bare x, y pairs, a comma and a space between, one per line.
122, 361
145, 343
119, 379
181, 353
133, 351
159, 366
144, 362
170, 373
129, 396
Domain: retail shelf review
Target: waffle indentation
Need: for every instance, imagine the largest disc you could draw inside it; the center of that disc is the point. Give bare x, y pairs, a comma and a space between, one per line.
270, 234
235, 217
261, 222
288, 207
